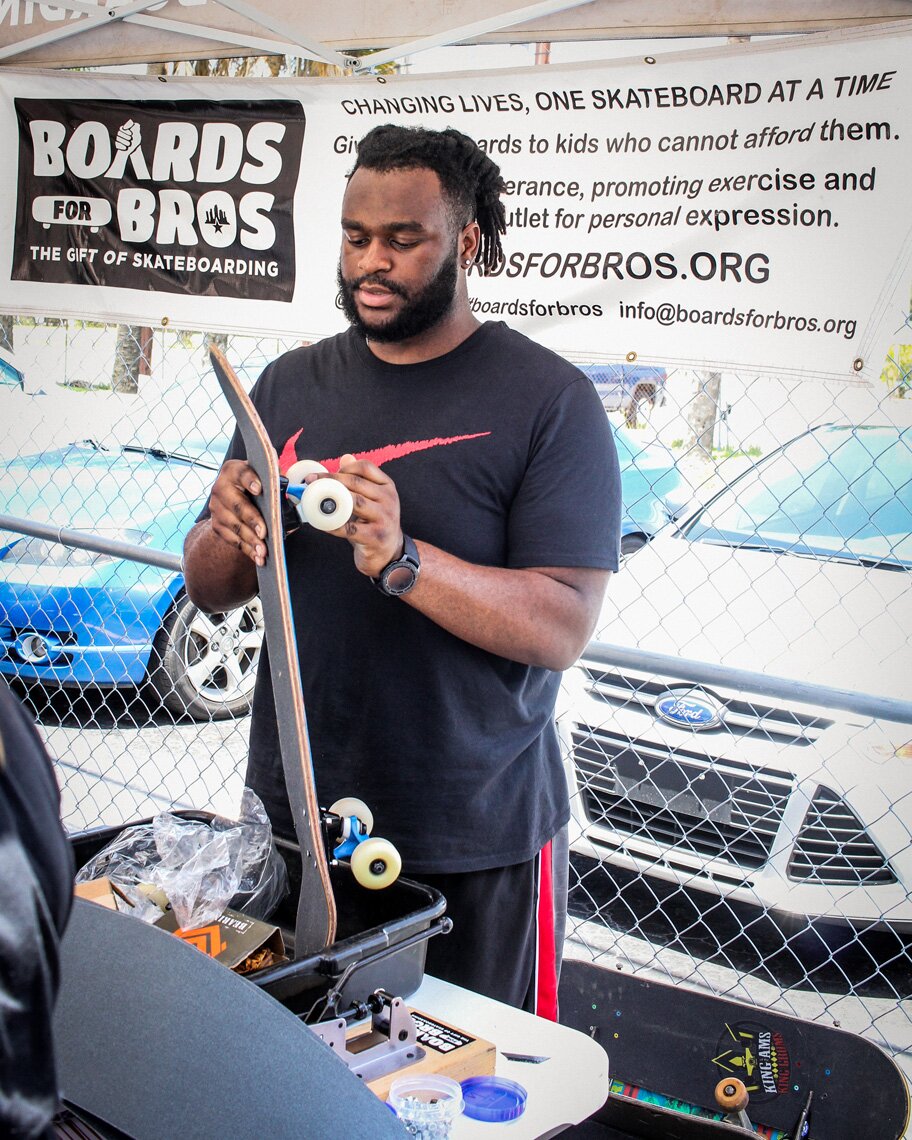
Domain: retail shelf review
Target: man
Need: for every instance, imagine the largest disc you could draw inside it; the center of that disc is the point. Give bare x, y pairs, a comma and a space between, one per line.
472, 572
36, 890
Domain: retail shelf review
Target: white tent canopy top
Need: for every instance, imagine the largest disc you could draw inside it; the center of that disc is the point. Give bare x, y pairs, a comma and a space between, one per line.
72, 33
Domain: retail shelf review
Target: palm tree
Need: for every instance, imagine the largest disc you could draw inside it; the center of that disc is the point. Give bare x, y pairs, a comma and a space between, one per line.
132, 357
702, 413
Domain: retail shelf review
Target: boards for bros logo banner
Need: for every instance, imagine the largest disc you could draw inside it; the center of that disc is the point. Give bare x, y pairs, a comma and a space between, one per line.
190, 197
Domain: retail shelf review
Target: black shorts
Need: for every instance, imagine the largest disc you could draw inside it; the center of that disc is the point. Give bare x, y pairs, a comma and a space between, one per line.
508, 930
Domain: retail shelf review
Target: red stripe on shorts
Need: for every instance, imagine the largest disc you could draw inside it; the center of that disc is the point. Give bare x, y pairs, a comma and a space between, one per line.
546, 952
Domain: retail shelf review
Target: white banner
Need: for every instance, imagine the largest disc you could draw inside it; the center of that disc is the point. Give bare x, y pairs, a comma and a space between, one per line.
743, 207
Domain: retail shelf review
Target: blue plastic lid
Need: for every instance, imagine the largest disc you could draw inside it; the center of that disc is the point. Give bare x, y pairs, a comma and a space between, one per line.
494, 1099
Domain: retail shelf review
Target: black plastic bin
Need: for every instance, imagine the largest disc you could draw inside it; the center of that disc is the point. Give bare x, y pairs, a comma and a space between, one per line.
381, 939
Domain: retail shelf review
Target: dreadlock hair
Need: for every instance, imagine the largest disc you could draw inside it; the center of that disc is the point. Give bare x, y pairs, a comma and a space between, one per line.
471, 181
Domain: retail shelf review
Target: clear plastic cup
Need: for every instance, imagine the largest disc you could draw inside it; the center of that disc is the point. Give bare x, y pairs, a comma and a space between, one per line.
426, 1105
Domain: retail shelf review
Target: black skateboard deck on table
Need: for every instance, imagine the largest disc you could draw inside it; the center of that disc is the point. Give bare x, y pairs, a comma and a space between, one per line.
678, 1044
161, 1042
316, 917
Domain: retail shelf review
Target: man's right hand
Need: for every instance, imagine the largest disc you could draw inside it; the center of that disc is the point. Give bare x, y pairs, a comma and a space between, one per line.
234, 517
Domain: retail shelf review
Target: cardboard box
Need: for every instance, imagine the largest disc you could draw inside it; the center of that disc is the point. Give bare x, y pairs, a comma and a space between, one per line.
103, 892
233, 939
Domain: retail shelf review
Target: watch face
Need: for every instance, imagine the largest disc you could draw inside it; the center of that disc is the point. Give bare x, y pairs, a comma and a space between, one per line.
399, 578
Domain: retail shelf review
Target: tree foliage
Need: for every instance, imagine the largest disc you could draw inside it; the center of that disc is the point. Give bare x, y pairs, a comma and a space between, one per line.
897, 372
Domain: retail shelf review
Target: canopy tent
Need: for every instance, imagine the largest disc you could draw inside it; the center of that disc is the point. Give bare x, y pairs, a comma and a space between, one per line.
72, 33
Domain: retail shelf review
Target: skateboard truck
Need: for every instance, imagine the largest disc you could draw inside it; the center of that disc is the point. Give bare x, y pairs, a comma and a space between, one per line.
390, 1044
800, 1130
325, 503
375, 862
343, 833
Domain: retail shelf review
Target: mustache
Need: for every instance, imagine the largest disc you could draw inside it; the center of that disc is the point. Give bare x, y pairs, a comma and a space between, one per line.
377, 279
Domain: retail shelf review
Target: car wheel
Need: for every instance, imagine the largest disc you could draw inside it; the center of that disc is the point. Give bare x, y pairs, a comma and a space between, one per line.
630, 543
205, 664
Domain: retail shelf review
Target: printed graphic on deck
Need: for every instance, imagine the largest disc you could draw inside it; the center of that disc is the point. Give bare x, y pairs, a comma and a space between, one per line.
186, 197
758, 1056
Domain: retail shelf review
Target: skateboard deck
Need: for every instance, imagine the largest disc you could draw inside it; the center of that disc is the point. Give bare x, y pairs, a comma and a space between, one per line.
160, 1042
679, 1044
315, 926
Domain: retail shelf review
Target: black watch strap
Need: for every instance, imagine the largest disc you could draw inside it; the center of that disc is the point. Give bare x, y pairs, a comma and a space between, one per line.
400, 575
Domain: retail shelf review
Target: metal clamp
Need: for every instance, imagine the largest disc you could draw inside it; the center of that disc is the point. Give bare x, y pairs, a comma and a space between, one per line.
390, 1044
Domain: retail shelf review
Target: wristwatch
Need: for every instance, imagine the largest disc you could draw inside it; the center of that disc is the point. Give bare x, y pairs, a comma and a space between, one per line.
401, 574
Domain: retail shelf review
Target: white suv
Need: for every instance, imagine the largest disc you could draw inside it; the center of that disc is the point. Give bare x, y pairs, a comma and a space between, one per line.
799, 570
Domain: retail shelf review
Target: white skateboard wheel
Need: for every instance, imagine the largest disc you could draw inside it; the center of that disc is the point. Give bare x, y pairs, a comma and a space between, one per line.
376, 863
326, 504
349, 805
297, 472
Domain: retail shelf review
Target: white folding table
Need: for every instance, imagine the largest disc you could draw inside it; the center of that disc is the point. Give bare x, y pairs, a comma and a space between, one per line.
564, 1089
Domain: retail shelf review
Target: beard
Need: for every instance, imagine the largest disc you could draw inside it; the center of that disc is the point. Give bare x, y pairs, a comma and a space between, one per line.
423, 309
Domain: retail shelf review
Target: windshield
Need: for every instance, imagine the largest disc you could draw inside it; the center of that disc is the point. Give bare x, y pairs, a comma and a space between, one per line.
834, 493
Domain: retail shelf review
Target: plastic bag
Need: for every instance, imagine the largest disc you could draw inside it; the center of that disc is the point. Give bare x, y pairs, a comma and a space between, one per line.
201, 867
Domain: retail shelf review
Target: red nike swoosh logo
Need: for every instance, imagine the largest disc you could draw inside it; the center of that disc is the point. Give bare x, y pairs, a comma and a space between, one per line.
379, 455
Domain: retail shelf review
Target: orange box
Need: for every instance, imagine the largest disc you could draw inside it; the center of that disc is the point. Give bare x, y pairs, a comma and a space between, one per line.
231, 939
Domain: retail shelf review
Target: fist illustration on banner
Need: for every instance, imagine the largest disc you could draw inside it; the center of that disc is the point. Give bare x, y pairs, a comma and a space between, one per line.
127, 139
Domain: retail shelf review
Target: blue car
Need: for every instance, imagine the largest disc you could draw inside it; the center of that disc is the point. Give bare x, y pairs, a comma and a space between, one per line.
71, 617
11, 375
652, 489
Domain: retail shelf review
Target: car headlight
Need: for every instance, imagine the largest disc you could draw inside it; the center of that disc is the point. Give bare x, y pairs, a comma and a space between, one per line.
27, 551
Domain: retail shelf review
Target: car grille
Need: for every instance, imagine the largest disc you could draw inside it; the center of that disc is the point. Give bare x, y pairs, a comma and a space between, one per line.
712, 807
833, 847
744, 719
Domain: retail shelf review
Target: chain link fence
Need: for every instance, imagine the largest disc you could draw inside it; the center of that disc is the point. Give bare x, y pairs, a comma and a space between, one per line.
745, 838
116, 432
736, 827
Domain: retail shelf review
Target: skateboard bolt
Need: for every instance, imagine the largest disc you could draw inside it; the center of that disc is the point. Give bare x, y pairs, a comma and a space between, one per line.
378, 867
425, 1120
327, 506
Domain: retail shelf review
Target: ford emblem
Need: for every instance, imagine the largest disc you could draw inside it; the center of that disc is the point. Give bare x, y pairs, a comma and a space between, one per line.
689, 708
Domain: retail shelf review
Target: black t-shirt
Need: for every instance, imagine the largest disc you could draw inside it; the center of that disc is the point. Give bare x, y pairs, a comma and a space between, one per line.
36, 886
502, 455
